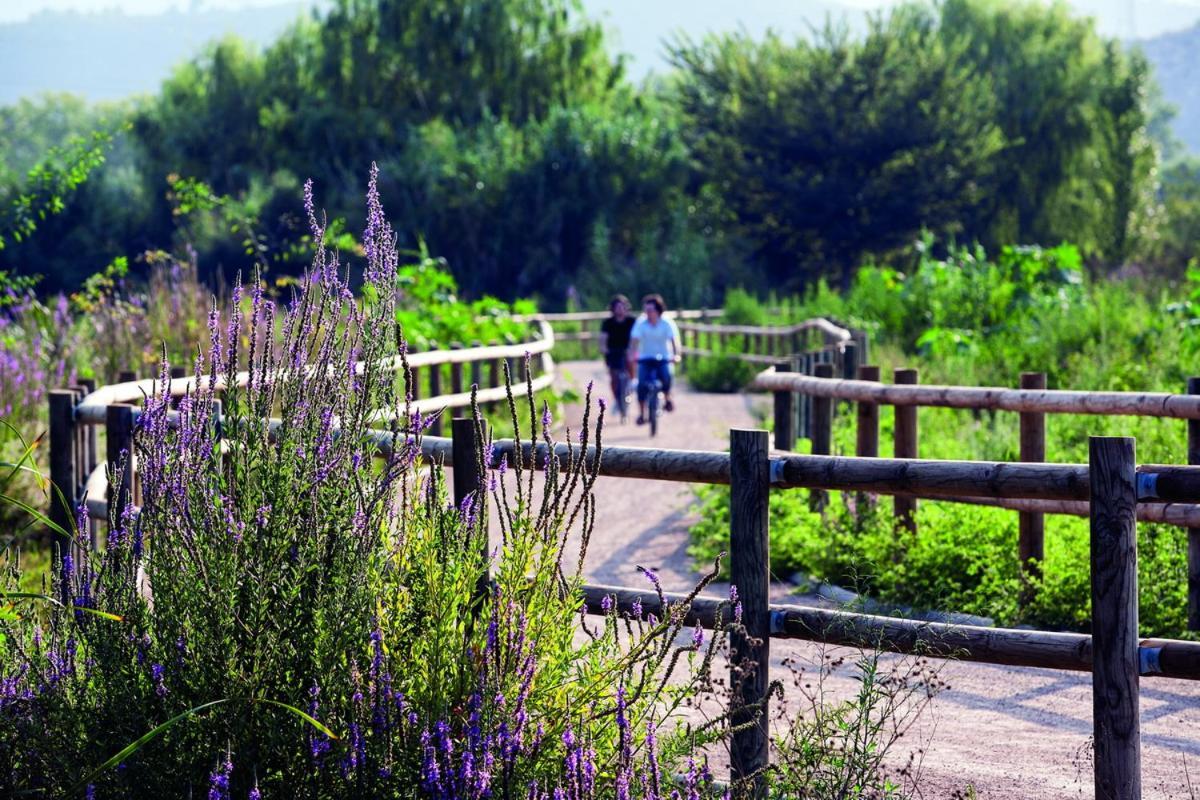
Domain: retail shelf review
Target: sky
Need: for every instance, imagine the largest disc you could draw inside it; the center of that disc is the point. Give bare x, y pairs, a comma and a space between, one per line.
1123, 18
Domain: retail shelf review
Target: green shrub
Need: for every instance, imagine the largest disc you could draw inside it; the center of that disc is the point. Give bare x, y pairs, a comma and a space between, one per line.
298, 609
720, 374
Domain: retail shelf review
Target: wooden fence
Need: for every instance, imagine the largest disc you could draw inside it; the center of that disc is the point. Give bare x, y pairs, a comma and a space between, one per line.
441, 379
1032, 401
1111, 490
1111, 484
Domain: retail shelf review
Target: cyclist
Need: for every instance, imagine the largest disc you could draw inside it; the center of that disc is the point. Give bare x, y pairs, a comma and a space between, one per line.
654, 345
614, 343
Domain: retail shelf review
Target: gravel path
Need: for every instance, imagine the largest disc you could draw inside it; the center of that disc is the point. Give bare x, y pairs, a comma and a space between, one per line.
1003, 731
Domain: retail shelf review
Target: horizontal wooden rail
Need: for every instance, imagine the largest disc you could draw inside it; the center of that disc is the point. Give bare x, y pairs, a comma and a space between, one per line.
938, 479
92, 409
831, 330
1170, 658
1185, 515
1134, 404
595, 316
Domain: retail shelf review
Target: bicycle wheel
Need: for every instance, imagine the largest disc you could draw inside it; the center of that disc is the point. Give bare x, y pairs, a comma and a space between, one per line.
653, 410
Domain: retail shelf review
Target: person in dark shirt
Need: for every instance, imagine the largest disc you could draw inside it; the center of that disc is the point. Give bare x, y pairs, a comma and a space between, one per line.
614, 343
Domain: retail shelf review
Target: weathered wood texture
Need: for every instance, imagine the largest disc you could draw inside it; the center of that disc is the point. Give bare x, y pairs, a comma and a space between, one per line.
1050, 401
1184, 515
64, 457
750, 570
822, 433
867, 438
905, 445
1173, 658
1193, 554
1031, 536
1115, 619
943, 479
468, 477
92, 410
785, 414
120, 456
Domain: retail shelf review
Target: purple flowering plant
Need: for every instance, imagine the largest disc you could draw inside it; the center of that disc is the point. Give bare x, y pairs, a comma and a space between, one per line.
294, 608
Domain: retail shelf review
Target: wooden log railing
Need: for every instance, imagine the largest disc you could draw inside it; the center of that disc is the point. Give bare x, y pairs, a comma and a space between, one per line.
1032, 401
1110, 485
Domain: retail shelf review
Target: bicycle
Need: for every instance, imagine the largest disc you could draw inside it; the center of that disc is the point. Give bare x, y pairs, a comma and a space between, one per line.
654, 389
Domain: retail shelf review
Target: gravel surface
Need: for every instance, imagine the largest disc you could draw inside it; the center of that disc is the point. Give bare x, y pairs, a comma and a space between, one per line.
1002, 732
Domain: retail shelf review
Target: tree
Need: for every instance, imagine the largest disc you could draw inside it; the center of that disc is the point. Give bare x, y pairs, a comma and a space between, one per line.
830, 149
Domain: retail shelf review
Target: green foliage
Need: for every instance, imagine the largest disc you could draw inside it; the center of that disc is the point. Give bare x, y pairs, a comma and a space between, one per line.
967, 319
721, 373
49, 183
297, 612
742, 308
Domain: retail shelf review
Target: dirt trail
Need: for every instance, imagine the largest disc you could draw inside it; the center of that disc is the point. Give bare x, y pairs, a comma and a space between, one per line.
1007, 732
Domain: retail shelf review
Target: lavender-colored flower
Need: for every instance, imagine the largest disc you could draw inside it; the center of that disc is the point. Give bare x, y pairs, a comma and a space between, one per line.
698, 637
156, 674
606, 604
218, 781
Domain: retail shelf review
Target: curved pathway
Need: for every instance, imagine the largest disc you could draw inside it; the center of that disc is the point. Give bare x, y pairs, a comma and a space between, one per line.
1005, 732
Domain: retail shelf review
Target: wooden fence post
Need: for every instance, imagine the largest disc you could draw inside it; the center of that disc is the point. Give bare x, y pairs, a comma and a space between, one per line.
866, 443
749, 546
1031, 538
118, 430
806, 400
177, 372
822, 432
1193, 556
468, 475
90, 456
906, 446
63, 467
849, 360
785, 414
1115, 656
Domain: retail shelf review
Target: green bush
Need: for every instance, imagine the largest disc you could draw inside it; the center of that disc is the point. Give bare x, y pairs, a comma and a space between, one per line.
724, 373
968, 319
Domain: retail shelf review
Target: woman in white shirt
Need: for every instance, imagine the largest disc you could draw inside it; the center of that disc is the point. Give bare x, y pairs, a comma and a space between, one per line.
654, 345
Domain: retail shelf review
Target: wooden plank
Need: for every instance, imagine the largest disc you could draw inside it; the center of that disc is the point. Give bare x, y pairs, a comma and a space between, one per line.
1193, 554
1115, 654
750, 642
905, 445
822, 433
1031, 525
1050, 401
1171, 658
785, 415
866, 444
118, 433
468, 477
63, 461
849, 360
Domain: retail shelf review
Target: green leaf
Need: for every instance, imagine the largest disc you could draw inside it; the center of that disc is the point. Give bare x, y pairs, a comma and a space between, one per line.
142, 741
307, 718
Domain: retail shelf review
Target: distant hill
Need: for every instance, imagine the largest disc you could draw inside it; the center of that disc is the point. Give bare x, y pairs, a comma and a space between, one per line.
1176, 60
111, 55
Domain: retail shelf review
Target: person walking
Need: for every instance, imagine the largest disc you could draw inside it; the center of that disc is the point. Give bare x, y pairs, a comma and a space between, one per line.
654, 345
